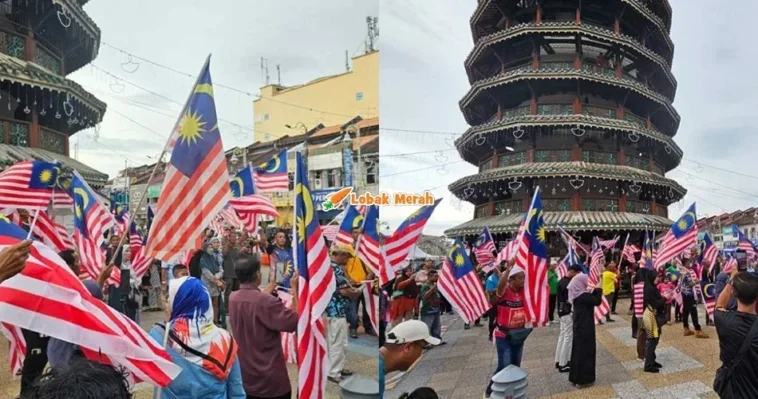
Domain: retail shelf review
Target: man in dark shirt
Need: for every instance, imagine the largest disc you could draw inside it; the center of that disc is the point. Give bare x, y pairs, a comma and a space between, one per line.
336, 312
565, 337
257, 318
732, 327
230, 251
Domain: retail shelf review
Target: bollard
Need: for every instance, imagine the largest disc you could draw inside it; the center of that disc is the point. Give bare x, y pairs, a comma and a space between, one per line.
509, 383
357, 387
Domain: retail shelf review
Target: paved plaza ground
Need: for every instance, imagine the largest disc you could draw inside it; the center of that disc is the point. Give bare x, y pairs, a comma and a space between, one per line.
462, 368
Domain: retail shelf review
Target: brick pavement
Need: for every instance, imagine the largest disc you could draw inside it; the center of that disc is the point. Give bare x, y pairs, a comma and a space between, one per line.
462, 368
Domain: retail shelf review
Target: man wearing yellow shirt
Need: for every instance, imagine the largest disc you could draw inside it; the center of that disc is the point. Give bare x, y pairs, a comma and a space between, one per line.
609, 285
357, 272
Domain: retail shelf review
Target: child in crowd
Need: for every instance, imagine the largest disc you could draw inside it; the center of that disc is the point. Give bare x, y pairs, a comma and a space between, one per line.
666, 288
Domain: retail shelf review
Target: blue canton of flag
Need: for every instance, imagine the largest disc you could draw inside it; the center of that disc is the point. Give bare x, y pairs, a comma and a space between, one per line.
484, 247
243, 184
272, 175
352, 219
460, 284
532, 257
681, 237
744, 244
534, 231
10, 229
648, 248
44, 175
421, 215
460, 261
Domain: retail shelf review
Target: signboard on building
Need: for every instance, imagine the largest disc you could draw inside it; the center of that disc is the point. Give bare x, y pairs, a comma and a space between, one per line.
134, 199
347, 166
154, 191
319, 196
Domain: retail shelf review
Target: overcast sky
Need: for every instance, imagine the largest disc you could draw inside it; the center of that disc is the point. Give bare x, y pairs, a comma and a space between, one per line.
424, 45
308, 39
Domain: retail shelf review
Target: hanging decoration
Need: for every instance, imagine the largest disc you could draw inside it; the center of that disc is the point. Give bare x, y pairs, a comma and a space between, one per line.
577, 131
518, 133
68, 107
442, 170
64, 19
117, 86
450, 141
480, 139
130, 66
635, 188
27, 110
576, 182
699, 168
634, 137
468, 191
514, 185
668, 149
440, 157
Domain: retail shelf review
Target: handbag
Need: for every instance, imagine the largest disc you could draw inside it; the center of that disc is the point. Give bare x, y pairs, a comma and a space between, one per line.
722, 384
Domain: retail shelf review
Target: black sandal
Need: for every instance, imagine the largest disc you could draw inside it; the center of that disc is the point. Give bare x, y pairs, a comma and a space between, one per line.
346, 372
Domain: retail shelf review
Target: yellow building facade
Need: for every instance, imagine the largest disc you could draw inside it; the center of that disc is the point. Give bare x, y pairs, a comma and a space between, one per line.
329, 100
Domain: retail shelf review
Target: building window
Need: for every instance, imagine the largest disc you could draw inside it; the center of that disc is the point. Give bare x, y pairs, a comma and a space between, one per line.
607, 158
630, 117
556, 65
552, 156
555, 109
486, 165
46, 60
600, 112
638, 207
511, 159
19, 133
508, 207
514, 112
335, 178
291, 184
52, 141
600, 205
557, 204
14, 46
371, 175
482, 211
593, 68
359, 96
637, 163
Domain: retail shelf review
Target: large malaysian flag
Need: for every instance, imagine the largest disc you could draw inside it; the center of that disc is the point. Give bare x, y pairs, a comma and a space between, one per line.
196, 187
399, 244
681, 236
28, 184
461, 286
532, 257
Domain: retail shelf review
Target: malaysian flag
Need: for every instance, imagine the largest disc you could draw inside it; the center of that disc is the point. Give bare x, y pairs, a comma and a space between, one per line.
247, 203
353, 219
562, 269
330, 231
399, 244
597, 262
628, 251
16, 347
123, 218
508, 252
708, 252
572, 242
709, 296
371, 299
729, 265
46, 297
367, 248
289, 348
484, 247
272, 175
28, 184
683, 234
460, 284
572, 257
639, 298
196, 186
316, 285
532, 257
609, 243
140, 261
648, 257
52, 233
61, 199
91, 221
744, 244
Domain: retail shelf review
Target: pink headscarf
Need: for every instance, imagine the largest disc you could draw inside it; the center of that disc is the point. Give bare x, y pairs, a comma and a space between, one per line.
577, 286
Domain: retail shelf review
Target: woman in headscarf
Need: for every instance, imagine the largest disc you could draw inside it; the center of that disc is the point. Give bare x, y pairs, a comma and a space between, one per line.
213, 272
654, 315
207, 354
583, 346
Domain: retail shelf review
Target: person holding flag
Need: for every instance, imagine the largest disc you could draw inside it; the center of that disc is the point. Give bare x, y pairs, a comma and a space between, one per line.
583, 345
689, 304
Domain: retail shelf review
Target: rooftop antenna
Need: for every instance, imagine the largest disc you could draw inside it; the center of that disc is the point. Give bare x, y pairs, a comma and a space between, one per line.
278, 75
373, 33
347, 62
264, 71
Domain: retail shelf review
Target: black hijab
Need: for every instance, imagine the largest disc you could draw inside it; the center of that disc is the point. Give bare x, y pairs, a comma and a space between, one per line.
651, 295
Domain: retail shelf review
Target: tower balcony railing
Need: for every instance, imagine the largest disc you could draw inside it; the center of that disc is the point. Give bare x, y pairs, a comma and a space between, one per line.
15, 132
20, 133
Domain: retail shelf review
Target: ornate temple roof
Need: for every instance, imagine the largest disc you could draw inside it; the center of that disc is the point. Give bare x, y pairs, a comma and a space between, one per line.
578, 169
22, 72
14, 154
568, 220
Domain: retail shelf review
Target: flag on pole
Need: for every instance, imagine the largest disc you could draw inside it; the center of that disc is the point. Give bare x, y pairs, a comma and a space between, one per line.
272, 174
371, 299
744, 244
61, 199
709, 251
368, 248
508, 252
461, 286
91, 220
352, 219
608, 243
532, 257
709, 296
16, 347
729, 265
52, 233
46, 297
316, 285
572, 257
648, 257
484, 247
399, 244
572, 242
627, 252
289, 348
681, 236
196, 186
246, 201
28, 184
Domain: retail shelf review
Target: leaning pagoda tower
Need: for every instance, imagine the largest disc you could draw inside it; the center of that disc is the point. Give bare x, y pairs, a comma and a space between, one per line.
573, 96
42, 41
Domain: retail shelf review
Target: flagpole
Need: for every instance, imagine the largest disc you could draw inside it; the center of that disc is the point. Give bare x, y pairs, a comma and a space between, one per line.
157, 390
31, 226
160, 159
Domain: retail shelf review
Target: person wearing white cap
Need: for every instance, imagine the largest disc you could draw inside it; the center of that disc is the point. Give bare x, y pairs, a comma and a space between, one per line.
511, 330
404, 345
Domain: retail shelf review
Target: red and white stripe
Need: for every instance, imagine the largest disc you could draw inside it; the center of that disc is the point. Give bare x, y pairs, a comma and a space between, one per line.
730, 265
372, 304
330, 231
466, 295
61, 200
639, 297
672, 246
289, 349
400, 243
602, 310
249, 207
16, 347
46, 297
15, 191
188, 204
562, 269
608, 243
536, 290
597, 262
271, 181
52, 233
710, 254
508, 252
